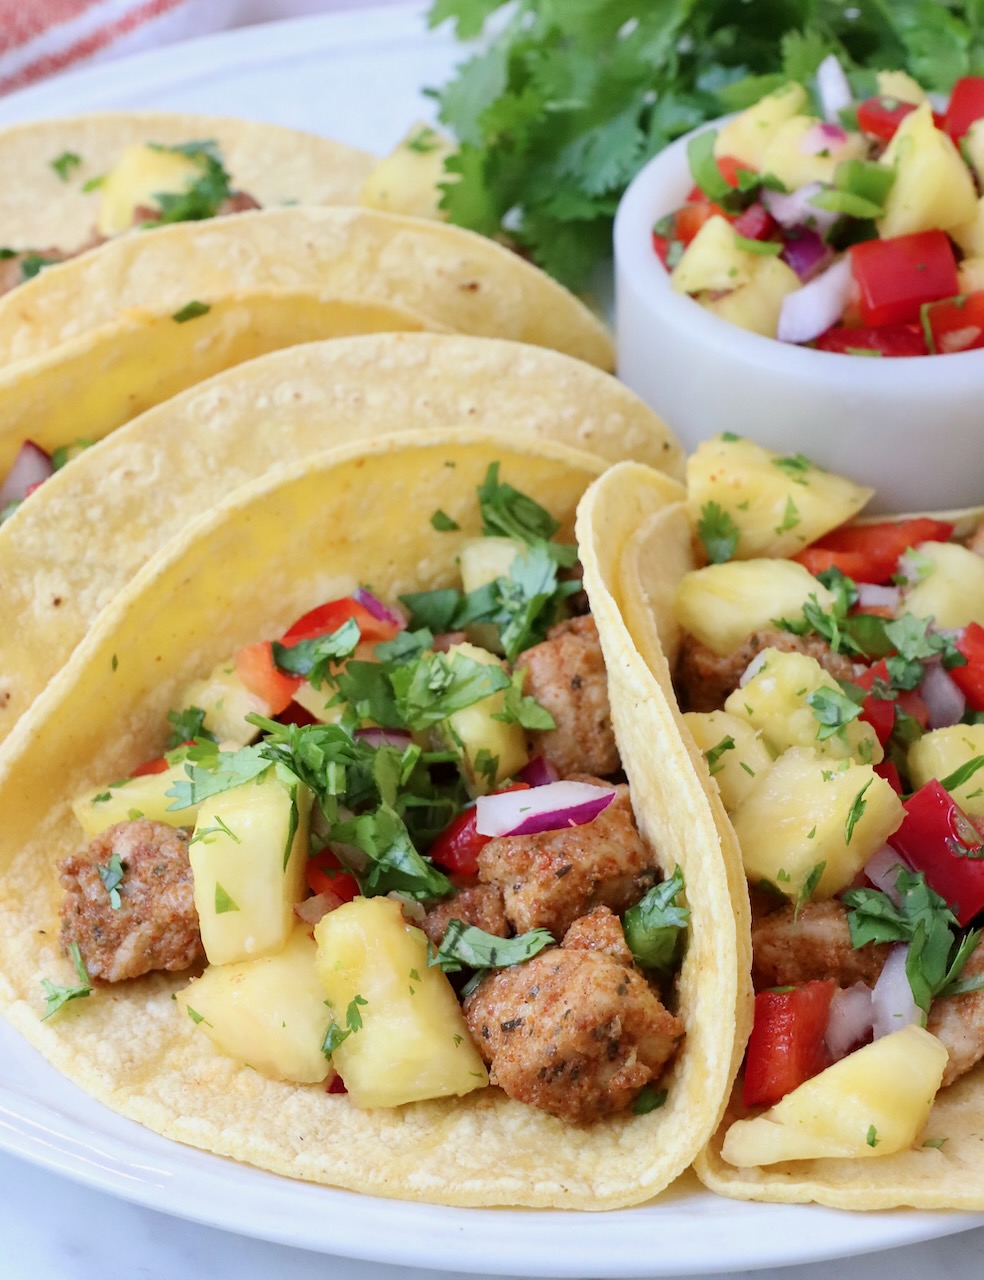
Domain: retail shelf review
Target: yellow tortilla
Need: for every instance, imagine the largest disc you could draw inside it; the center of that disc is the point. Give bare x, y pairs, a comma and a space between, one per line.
38, 209
78, 541
461, 280
272, 550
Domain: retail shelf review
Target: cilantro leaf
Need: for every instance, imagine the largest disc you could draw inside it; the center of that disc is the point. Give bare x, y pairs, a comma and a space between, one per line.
314, 658
57, 997
66, 164
202, 198
833, 709
112, 877
186, 726
394, 863
439, 684
211, 772
656, 926
465, 945
718, 532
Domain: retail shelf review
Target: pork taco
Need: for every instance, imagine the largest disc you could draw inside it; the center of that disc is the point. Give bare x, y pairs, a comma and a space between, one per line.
165, 468
375, 606
830, 672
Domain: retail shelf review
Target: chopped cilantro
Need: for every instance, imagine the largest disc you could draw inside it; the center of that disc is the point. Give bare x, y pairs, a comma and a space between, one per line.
223, 903
57, 997
718, 532
833, 710
66, 164
191, 311
205, 835
32, 263
195, 1016
856, 812
465, 945
796, 467
790, 518
656, 926
315, 658
648, 1099
112, 877
423, 141
204, 196
808, 888
211, 772
713, 754
93, 184
508, 513
335, 1036
959, 776
443, 523
872, 1138
186, 726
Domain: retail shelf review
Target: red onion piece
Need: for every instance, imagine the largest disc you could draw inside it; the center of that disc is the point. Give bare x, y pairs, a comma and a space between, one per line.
311, 910
805, 253
892, 1003
822, 137
539, 772
882, 869
792, 209
398, 738
872, 596
832, 88
753, 668
32, 467
944, 701
547, 808
379, 610
445, 639
850, 1019
808, 312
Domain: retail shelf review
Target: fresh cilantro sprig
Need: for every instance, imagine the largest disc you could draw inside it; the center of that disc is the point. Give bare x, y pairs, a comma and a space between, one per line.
57, 997
335, 1036
656, 926
202, 198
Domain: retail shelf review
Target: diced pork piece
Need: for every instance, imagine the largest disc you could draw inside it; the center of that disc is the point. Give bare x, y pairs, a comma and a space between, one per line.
566, 673
480, 906
704, 678
573, 1032
787, 951
18, 267
959, 1022
599, 930
548, 880
155, 925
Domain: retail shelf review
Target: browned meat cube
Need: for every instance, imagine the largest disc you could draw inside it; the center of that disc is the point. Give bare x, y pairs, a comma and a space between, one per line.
599, 930
155, 925
786, 952
480, 906
959, 1022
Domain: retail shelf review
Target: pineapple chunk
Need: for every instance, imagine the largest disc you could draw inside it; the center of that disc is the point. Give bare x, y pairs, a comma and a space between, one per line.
482, 560
714, 260
972, 147
143, 797
970, 235
748, 134
226, 702
952, 590
899, 84
775, 701
874, 1102
970, 275
491, 750
408, 179
779, 504
735, 768
413, 1042
785, 158
722, 604
756, 306
248, 855
933, 187
267, 1013
807, 812
941, 752
317, 702
140, 175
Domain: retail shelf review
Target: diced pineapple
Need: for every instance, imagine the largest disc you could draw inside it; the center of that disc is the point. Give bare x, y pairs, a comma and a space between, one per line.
786, 700
491, 749
226, 702
482, 560
714, 260
413, 1042
268, 1013
756, 306
786, 158
747, 136
722, 604
140, 175
809, 812
318, 702
899, 84
248, 856
970, 235
408, 179
735, 768
874, 1102
941, 752
778, 504
970, 275
952, 590
932, 186
972, 147
143, 797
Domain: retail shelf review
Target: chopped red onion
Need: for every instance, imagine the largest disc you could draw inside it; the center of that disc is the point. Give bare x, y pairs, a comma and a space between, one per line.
832, 88
31, 467
892, 1002
399, 738
805, 252
808, 312
882, 869
793, 209
546, 808
379, 610
850, 1019
412, 909
944, 701
821, 137
753, 668
538, 772
911, 567
311, 910
872, 596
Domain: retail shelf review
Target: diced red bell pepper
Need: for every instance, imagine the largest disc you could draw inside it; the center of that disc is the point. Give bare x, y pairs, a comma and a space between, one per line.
150, 766
730, 167
756, 223
897, 276
328, 617
689, 220
886, 769
661, 248
336, 1085
937, 838
870, 552
966, 105
878, 712
881, 116
259, 673
325, 874
787, 1045
889, 340
910, 703
970, 679
457, 848
955, 324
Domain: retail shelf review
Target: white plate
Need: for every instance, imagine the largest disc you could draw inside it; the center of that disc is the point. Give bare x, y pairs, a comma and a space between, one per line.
357, 76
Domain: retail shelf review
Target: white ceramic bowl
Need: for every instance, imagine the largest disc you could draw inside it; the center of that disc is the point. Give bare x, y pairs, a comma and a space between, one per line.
912, 428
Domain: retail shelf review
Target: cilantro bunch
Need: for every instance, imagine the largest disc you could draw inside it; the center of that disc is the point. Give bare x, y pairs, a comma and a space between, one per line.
569, 98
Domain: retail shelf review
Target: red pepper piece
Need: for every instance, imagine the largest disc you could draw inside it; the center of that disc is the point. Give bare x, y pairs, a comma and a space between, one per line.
890, 773
787, 1045
325, 874
328, 617
955, 324
966, 106
937, 838
689, 220
896, 276
970, 679
870, 552
878, 712
890, 340
457, 848
881, 116
661, 248
259, 673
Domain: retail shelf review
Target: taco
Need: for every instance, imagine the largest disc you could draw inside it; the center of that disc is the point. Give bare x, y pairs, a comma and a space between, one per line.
830, 670
614, 1122
122, 500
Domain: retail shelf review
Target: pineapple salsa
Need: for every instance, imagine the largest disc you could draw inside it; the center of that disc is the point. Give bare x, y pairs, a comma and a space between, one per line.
398, 841
860, 233
832, 673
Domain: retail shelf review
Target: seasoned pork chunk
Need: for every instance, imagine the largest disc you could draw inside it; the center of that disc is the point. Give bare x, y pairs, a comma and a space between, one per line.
155, 925
566, 673
480, 906
599, 930
235, 202
959, 1022
21, 266
786, 952
574, 1032
704, 679
548, 880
